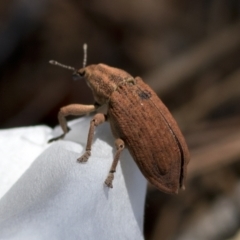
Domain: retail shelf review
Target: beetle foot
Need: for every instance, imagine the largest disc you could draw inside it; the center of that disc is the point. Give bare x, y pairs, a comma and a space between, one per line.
109, 180
84, 157
56, 138
59, 137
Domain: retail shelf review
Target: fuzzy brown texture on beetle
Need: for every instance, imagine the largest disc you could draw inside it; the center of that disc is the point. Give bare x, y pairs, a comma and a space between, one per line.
139, 120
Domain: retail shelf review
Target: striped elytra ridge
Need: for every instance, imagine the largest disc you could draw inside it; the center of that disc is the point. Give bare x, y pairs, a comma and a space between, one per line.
150, 133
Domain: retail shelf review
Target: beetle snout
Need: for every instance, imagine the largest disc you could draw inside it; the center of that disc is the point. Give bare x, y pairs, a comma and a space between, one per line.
77, 75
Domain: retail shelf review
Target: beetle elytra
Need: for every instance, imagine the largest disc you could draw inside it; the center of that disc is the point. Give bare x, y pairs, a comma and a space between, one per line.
139, 121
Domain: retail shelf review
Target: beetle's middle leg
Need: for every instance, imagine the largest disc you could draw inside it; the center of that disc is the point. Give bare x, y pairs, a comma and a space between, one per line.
98, 119
120, 146
72, 109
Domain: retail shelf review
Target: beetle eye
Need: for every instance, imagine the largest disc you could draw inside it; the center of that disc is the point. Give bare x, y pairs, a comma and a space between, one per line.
78, 75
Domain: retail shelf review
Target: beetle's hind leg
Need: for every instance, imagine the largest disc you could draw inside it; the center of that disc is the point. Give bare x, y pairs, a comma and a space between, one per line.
72, 109
120, 146
98, 119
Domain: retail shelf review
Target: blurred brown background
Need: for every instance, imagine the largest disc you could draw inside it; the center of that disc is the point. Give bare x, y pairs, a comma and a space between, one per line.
188, 51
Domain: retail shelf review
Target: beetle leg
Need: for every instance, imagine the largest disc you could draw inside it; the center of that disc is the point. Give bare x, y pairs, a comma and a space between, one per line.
72, 109
98, 119
120, 146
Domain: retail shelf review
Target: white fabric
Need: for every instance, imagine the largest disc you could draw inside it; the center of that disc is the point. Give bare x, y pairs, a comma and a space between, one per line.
46, 194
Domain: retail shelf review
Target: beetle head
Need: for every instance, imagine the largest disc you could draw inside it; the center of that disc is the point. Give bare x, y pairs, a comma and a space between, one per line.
102, 79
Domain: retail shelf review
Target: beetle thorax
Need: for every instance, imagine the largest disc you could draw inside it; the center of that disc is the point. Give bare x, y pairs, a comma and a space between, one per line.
104, 80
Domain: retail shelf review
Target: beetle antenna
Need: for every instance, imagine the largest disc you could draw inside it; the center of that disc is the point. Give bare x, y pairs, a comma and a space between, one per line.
84, 55
53, 62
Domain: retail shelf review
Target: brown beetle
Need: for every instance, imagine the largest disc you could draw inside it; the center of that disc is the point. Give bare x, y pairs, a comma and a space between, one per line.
138, 119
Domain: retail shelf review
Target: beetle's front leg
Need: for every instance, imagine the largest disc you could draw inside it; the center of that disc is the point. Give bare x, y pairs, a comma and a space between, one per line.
72, 109
98, 119
120, 146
